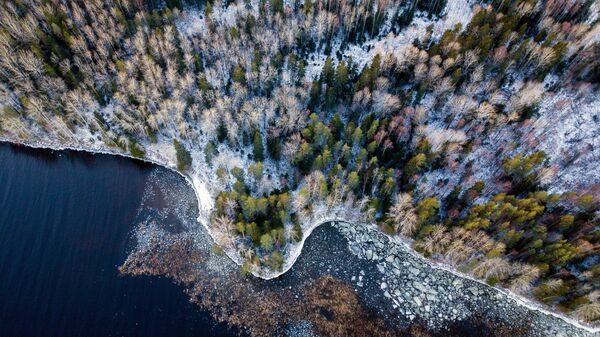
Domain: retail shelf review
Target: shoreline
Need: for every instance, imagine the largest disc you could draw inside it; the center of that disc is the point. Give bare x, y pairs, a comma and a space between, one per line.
520, 300
296, 250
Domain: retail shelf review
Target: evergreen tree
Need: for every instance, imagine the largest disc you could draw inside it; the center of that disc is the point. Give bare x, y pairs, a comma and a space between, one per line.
353, 181
256, 169
184, 159
239, 75
266, 242
341, 79
328, 72
259, 153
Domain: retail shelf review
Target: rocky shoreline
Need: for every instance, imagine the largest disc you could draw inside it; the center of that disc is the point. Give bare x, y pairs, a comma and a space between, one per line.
387, 278
438, 297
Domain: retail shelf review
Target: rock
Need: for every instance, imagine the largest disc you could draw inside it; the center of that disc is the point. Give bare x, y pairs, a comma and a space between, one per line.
457, 283
383, 285
380, 268
419, 287
417, 301
387, 294
369, 254
414, 271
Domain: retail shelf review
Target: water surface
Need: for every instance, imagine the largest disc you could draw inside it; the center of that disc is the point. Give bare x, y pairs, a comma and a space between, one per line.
65, 224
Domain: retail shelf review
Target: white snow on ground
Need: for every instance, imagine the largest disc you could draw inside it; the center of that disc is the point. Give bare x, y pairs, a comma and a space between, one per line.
163, 151
205, 200
192, 23
456, 11
568, 130
459, 11
229, 15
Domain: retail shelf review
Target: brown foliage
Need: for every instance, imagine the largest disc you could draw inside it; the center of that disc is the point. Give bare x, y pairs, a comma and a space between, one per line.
175, 260
335, 310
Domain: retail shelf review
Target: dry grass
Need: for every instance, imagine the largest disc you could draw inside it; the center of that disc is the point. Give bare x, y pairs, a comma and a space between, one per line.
335, 310
175, 258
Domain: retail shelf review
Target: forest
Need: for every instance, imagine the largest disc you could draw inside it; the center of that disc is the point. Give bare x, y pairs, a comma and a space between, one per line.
447, 137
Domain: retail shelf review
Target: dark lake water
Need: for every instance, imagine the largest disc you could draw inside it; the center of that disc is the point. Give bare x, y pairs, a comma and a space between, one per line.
65, 224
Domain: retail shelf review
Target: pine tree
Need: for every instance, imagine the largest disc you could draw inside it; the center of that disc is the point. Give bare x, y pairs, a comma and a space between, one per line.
341, 79
239, 75
328, 72
184, 159
266, 242
259, 153
353, 181
315, 96
256, 169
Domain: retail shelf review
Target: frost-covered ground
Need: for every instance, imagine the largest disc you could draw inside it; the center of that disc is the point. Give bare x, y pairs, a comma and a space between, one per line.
568, 130
566, 127
194, 22
459, 11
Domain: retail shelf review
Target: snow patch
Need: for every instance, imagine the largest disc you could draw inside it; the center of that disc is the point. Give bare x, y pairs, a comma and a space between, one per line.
568, 130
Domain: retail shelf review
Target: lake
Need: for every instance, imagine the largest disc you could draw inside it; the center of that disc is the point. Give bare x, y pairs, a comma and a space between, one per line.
65, 227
